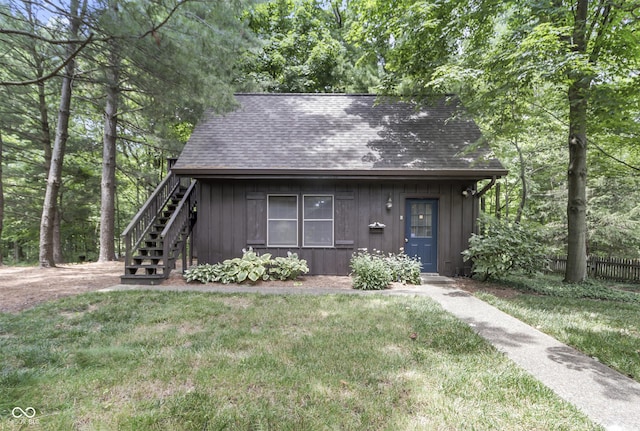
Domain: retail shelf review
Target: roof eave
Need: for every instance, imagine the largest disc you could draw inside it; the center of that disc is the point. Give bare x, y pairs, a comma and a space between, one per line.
430, 174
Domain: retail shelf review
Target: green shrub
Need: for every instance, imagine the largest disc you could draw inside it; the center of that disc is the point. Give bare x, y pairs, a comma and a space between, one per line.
370, 272
506, 247
251, 267
204, 273
405, 269
287, 268
375, 271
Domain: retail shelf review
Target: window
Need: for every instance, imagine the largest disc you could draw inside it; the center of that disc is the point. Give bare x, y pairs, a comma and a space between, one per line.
317, 221
421, 220
282, 221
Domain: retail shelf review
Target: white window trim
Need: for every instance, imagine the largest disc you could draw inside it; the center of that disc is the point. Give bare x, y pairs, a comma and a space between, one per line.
333, 217
269, 244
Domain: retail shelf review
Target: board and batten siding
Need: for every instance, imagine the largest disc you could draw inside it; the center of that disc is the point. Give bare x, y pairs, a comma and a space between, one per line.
232, 215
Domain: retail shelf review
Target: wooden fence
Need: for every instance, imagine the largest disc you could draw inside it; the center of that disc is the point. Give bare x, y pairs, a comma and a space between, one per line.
610, 268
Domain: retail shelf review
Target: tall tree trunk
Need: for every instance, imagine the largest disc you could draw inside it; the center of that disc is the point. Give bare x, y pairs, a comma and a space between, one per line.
58, 256
523, 180
54, 178
108, 185
1, 197
45, 130
576, 271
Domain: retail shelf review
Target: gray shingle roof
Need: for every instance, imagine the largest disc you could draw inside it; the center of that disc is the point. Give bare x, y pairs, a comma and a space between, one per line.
337, 135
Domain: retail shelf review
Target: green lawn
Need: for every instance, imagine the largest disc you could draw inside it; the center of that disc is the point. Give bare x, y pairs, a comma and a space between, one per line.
601, 319
162, 360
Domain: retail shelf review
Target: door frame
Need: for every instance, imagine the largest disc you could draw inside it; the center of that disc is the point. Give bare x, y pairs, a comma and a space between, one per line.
405, 219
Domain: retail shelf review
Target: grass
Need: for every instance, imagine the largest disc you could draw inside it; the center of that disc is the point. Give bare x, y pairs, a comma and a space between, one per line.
601, 319
162, 360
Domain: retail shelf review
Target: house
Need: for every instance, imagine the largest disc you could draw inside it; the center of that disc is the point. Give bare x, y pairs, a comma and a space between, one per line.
324, 175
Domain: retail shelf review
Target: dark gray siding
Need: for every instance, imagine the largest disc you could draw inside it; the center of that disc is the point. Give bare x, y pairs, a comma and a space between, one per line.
232, 215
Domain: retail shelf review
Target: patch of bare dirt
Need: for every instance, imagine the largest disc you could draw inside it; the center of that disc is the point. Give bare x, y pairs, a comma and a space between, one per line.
25, 287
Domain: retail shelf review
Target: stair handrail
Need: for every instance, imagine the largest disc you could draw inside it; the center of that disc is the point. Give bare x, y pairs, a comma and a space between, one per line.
143, 220
178, 220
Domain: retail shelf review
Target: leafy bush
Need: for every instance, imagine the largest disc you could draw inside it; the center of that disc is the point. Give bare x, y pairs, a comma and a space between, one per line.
204, 273
506, 247
405, 269
287, 268
376, 271
250, 267
370, 272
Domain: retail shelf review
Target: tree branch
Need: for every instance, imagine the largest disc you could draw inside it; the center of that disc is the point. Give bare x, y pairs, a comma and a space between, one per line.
54, 72
589, 141
40, 38
152, 31
622, 162
606, 16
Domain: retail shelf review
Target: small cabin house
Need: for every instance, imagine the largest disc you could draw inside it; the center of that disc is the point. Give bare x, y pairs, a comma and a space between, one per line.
324, 175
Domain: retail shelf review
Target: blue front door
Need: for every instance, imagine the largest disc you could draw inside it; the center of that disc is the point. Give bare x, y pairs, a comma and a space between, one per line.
421, 232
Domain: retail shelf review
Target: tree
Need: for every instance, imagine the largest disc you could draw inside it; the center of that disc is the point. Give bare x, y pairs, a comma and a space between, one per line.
34, 35
143, 61
305, 49
1, 196
578, 49
49, 207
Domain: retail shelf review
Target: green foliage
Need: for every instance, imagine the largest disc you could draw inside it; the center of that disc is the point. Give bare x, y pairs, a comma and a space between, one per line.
404, 268
614, 216
375, 271
554, 286
512, 64
287, 268
304, 49
204, 273
251, 267
506, 247
370, 271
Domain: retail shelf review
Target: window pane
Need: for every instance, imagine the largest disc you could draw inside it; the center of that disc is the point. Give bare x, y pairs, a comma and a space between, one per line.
283, 232
283, 207
318, 207
318, 233
421, 220
282, 229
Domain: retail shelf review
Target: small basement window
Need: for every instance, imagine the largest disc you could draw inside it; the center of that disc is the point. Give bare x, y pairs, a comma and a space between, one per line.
282, 221
317, 222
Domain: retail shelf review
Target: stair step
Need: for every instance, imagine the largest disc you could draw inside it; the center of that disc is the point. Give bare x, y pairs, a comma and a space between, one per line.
150, 252
148, 260
146, 269
147, 280
153, 243
150, 264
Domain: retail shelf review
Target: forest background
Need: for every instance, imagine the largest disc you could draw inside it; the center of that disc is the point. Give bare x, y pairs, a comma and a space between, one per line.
97, 94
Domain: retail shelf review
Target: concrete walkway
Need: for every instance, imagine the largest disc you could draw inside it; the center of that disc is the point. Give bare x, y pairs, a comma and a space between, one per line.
606, 396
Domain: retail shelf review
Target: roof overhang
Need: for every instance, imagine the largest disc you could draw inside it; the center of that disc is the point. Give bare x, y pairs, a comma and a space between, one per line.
248, 174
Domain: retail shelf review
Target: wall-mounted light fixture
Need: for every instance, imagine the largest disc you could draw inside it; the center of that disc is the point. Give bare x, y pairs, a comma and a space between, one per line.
468, 192
389, 203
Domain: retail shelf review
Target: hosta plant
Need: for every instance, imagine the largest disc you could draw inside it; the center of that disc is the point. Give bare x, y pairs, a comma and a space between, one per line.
251, 267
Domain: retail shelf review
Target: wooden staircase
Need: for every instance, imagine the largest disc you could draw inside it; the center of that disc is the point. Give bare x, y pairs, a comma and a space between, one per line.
159, 233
